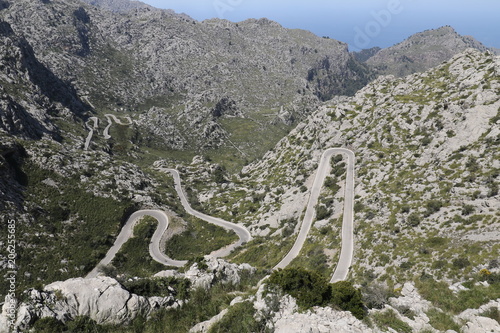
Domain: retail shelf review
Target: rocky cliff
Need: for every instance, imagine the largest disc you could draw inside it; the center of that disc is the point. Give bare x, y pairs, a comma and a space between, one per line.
147, 58
422, 51
426, 206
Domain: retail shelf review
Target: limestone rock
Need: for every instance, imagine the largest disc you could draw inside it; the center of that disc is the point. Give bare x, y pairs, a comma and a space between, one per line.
103, 299
218, 270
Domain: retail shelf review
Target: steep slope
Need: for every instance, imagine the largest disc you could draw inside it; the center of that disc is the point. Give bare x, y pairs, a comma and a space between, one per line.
30, 93
426, 199
422, 51
118, 5
426, 173
208, 80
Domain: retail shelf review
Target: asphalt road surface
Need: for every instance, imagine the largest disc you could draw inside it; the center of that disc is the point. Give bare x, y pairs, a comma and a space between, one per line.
163, 221
154, 246
347, 225
242, 232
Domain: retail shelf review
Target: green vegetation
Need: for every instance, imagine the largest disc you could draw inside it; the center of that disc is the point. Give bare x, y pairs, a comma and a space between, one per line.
73, 228
261, 253
159, 287
240, 318
389, 318
442, 297
199, 239
134, 259
311, 289
442, 321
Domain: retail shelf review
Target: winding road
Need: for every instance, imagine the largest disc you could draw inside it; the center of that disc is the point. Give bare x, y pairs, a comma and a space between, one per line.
118, 121
346, 254
154, 246
105, 133
242, 232
163, 221
91, 133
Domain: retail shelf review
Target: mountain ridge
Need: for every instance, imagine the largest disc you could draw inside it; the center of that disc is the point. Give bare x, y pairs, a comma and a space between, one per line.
422, 51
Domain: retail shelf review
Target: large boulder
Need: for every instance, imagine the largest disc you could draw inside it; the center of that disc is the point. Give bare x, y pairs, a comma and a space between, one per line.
216, 270
102, 298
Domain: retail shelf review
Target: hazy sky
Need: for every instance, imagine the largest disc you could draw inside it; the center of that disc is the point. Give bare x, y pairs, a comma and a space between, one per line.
360, 23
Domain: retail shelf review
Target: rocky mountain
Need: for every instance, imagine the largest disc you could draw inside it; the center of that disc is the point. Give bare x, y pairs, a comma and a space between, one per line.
422, 51
73, 171
180, 73
426, 146
118, 5
427, 184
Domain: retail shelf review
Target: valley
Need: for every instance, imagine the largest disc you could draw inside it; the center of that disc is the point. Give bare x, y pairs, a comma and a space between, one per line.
213, 176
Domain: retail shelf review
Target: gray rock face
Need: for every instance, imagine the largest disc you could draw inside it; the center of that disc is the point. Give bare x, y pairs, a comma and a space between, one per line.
217, 270
103, 299
155, 58
286, 318
29, 92
422, 51
118, 5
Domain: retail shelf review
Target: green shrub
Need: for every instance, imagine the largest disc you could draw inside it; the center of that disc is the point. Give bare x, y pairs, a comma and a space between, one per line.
467, 210
322, 212
493, 313
433, 206
413, 219
347, 298
49, 325
159, 287
389, 318
308, 288
461, 262
239, 318
442, 321
311, 289
83, 324
376, 295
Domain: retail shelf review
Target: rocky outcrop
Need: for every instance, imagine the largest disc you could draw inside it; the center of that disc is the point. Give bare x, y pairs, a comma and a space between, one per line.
106, 301
30, 93
283, 316
475, 321
422, 51
103, 299
118, 5
214, 270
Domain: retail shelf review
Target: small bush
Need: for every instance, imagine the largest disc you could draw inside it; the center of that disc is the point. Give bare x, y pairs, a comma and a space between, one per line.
433, 206
160, 287
413, 219
493, 313
240, 318
461, 262
49, 325
322, 212
347, 298
376, 295
467, 210
82, 325
442, 321
311, 289
389, 318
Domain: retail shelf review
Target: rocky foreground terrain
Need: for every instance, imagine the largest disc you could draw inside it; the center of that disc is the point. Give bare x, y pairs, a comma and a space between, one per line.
427, 165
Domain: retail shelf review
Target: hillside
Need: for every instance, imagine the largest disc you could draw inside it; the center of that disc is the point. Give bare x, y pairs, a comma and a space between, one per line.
422, 51
108, 111
213, 83
426, 180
